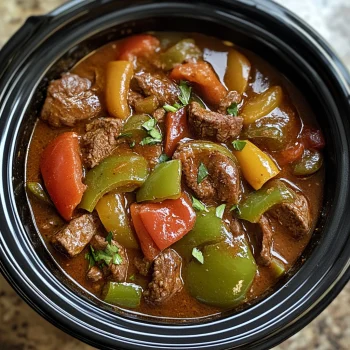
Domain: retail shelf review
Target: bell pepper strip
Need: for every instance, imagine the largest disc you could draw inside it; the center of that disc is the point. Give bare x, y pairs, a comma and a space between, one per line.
259, 202
277, 267
204, 79
199, 146
176, 129
257, 167
112, 213
225, 276
137, 45
146, 105
62, 172
184, 50
261, 105
313, 138
38, 192
121, 173
310, 162
208, 229
290, 154
118, 76
237, 71
168, 221
163, 183
149, 248
122, 294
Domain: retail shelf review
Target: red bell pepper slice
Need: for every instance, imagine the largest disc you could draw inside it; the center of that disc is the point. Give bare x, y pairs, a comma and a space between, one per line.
149, 248
137, 45
205, 80
176, 129
62, 171
168, 221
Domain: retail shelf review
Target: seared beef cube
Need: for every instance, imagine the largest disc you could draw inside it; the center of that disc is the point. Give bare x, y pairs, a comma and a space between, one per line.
166, 277
295, 216
116, 272
94, 274
208, 124
100, 140
143, 266
159, 115
158, 84
73, 238
266, 242
69, 100
221, 184
231, 97
133, 97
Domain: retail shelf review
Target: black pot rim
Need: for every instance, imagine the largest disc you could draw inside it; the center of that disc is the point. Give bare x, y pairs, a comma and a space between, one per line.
77, 315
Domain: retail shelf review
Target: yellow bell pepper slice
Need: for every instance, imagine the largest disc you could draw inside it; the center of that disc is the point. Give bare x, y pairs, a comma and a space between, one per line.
114, 217
237, 71
118, 76
261, 105
257, 167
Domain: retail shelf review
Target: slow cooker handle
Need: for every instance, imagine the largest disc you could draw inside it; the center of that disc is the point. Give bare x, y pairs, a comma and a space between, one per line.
18, 41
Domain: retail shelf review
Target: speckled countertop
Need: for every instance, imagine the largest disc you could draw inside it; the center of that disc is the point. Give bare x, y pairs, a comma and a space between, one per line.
21, 328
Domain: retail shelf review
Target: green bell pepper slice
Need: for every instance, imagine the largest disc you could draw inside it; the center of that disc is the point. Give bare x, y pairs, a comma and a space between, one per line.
277, 268
225, 276
258, 202
163, 183
208, 229
113, 215
121, 173
310, 162
202, 146
122, 294
180, 52
38, 192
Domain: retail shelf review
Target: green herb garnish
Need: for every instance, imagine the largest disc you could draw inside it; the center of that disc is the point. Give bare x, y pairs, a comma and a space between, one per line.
132, 278
235, 208
232, 109
196, 253
185, 94
219, 211
163, 158
202, 173
109, 237
90, 258
149, 141
110, 254
132, 144
154, 135
238, 145
197, 205
169, 108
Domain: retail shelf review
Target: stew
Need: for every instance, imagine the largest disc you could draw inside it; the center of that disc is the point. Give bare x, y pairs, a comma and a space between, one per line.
175, 174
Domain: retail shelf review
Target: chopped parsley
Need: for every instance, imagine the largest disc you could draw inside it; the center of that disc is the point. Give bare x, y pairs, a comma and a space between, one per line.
232, 109
202, 173
184, 97
238, 145
197, 205
90, 258
197, 254
109, 237
236, 209
154, 136
132, 144
132, 278
185, 94
163, 158
219, 211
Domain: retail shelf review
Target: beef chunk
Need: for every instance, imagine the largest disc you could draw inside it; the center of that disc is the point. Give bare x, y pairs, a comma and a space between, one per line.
143, 266
159, 115
166, 277
208, 124
158, 84
222, 183
115, 272
236, 227
100, 140
231, 97
73, 238
150, 152
295, 216
70, 99
94, 274
266, 242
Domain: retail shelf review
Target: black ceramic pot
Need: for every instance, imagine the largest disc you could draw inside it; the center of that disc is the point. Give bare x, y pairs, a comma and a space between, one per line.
45, 46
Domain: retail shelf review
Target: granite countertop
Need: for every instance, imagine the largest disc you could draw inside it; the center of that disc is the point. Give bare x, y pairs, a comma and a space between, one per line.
22, 328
